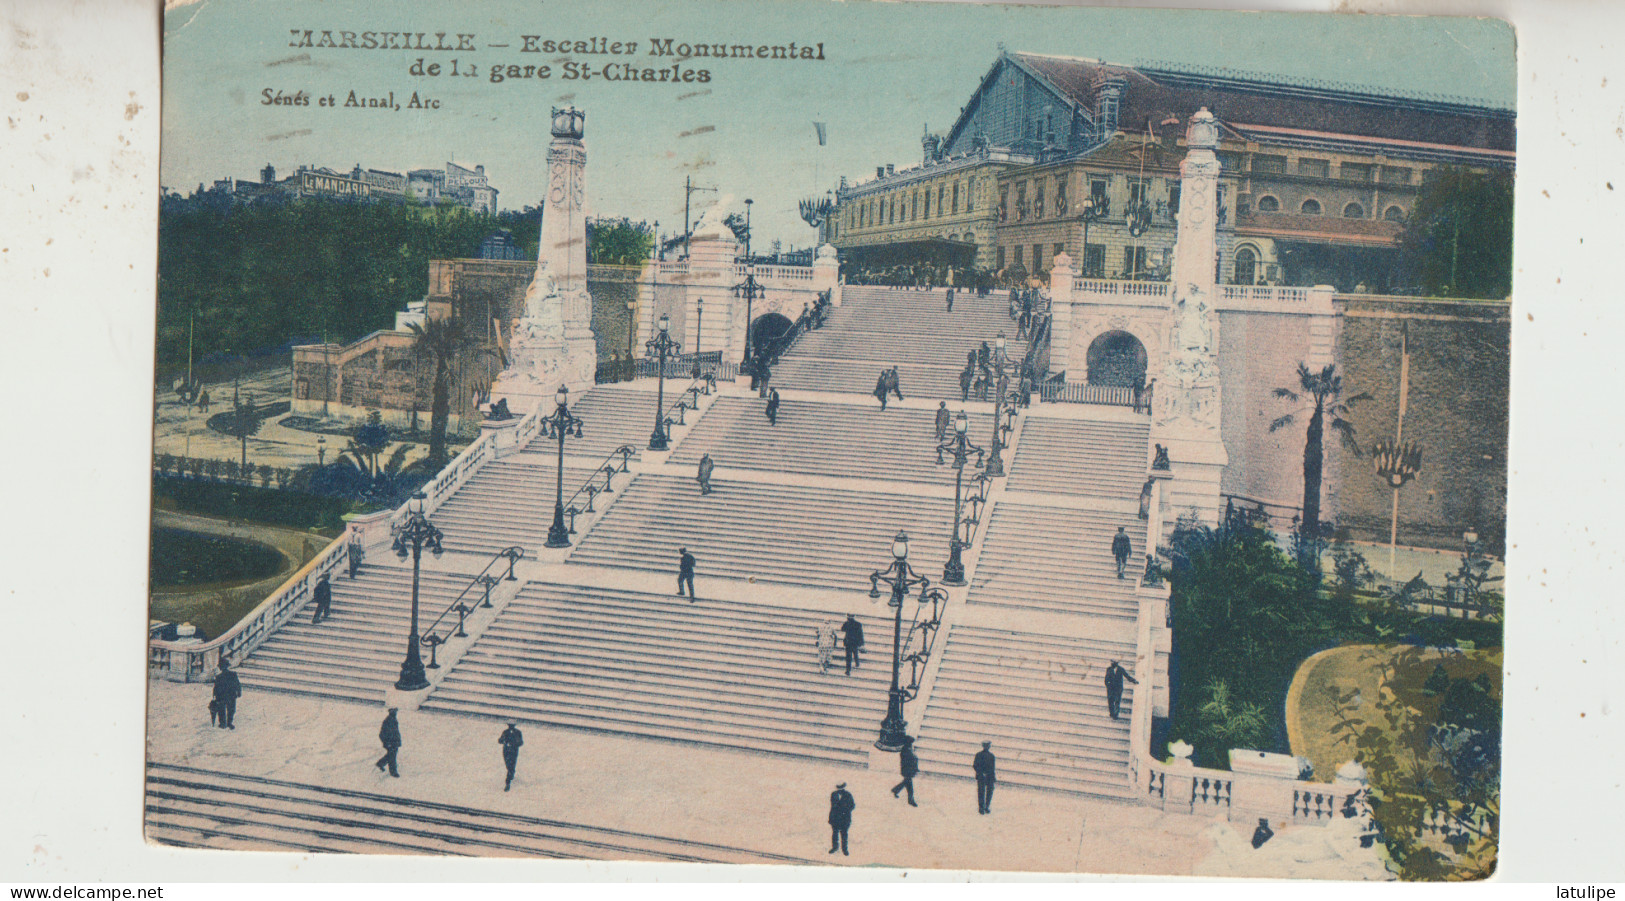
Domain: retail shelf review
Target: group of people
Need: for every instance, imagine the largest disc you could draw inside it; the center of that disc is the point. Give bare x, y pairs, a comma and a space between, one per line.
888, 384
850, 636
984, 765
389, 735
979, 376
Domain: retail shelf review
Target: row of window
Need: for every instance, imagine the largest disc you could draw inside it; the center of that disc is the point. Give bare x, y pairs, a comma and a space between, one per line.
1311, 207
1267, 164
1139, 190
910, 207
1093, 262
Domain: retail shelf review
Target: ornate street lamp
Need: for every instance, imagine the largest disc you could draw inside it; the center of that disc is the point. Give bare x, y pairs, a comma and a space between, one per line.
659, 346
699, 323
321, 449
995, 459
631, 326
412, 536
1092, 212
1397, 463
953, 573
750, 289
901, 578
560, 425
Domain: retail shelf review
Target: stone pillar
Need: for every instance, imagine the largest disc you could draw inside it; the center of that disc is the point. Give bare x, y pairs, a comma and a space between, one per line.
1186, 410
1061, 283
713, 252
826, 273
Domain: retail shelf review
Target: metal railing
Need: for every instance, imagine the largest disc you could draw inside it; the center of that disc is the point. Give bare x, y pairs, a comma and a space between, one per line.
609, 471
432, 639
926, 630
1103, 395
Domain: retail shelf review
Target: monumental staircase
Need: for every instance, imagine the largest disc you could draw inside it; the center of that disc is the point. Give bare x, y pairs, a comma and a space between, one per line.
737, 675
877, 328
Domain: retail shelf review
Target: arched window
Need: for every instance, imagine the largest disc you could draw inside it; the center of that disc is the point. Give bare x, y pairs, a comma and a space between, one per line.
1394, 214
1354, 211
1246, 266
1268, 204
1310, 207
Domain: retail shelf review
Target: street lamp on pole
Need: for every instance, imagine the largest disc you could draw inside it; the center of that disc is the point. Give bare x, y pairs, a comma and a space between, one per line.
995, 459
699, 323
953, 572
1397, 463
631, 325
1092, 212
902, 578
749, 289
560, 425
659, 346
748, 202
411, 537
321, 449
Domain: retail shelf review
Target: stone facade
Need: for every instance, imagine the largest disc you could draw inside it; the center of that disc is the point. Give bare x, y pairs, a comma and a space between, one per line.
949, 200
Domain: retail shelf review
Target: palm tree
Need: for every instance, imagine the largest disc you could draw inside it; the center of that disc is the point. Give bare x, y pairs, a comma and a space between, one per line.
445, 339
1318, 392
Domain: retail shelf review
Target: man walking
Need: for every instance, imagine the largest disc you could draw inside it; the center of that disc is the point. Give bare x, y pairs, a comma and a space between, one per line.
773, 407
389, 734
852, 638
841, 805
227, 689
966, 376
1115, 674
910, 765
950, 300
1121, 548
883, 388
510, 740
942, 420
324, 600
685, 573
704, 477
983, 765
894, 382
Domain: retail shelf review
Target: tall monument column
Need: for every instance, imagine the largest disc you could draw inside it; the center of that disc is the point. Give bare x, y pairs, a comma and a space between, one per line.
554, 343
1185, 414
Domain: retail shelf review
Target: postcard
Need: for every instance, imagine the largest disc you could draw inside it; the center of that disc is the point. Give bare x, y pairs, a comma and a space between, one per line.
1028, 439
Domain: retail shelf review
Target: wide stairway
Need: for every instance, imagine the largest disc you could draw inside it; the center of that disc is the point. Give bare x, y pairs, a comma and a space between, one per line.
1059, 560
510, 502
1099, 457
876, 328
821, 537
190, 807
731, 674
612, 415
1041, 701
356, 654
825, 439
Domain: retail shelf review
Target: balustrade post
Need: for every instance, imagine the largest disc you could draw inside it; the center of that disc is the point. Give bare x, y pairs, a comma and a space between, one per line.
462, 611
592, 492
434, 647
512, 559
487, 582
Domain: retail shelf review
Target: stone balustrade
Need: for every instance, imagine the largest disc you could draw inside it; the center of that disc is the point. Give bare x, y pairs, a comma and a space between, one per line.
1082, 287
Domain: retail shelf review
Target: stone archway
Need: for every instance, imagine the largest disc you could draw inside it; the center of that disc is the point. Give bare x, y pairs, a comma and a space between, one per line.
1117, 358
768, 327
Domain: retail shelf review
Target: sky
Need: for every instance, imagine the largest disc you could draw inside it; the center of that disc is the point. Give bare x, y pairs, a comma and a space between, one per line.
889, 71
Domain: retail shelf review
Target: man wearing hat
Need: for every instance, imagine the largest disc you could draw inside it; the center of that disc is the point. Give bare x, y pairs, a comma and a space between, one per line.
324, 600
390, 735
227, 689
852, 639
841, 806
983, 765
910, 764
510, 740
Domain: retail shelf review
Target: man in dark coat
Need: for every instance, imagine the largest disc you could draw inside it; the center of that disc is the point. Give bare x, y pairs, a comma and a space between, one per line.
943, 419
704, 476
685, 573
910, 765
883, 388
324, 600
773, 407
1121, 548
852, 639
950, 300
983, 355
841, 805
983, 765
1115, 675
894, 383
389, 734
227, 689
510, 740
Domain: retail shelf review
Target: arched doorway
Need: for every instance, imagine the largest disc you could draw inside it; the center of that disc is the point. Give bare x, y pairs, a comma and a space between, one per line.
767, 328
1246, 266
1117, 358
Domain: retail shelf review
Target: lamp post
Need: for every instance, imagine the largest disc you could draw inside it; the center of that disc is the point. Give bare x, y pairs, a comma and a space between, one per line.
659, 346
953, 572
901, 578
1397, 463
995, 459
631, 325
560, 425
1091, 212
749, 289
748, 202
699, 323
321, 449
413, 535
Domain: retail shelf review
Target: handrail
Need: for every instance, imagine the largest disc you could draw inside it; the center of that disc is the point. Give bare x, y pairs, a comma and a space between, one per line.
264, 619
609, 472
433, 641
929, 629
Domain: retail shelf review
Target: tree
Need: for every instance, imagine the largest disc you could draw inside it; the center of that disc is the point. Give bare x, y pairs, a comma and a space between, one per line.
1320, 393
736, 224
445, 340
619, 242
1457, 240
367, 443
